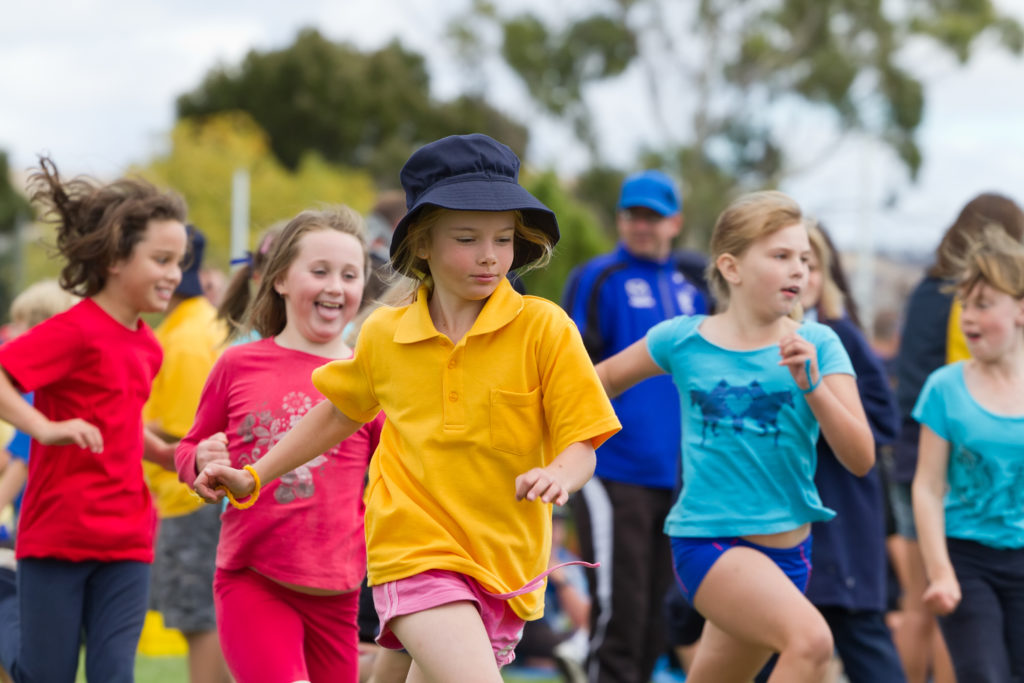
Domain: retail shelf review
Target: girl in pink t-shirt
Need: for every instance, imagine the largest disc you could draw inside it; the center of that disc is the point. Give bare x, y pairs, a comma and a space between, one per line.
289, 569
85, 536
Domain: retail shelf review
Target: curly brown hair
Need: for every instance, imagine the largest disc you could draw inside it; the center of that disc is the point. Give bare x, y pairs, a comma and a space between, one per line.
98, 225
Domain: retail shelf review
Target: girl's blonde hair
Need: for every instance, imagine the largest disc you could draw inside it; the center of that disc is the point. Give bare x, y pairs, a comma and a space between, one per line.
831, 302
40, 301
987, 209
994, 258
406, 261
744, 221
267, 314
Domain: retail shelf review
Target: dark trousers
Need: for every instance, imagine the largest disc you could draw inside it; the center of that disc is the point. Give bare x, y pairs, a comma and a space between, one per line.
865, 645
985, 634
621, 526
57, 604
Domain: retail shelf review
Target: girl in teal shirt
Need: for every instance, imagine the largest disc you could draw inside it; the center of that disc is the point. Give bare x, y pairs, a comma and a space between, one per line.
755, 385
968, 490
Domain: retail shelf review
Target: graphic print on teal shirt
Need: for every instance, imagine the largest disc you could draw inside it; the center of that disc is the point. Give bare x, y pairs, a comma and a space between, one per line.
736, 405
749, 437
985, 499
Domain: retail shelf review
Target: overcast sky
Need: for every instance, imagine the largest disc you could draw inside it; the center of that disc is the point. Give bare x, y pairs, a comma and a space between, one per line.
93, 83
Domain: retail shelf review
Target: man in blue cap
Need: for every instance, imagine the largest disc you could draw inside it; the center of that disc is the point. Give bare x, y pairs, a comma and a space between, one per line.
614, 299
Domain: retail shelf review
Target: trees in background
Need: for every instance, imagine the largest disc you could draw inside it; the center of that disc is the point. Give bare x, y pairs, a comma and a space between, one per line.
730, 85
365, 110
14, 209
731, 93
204, 155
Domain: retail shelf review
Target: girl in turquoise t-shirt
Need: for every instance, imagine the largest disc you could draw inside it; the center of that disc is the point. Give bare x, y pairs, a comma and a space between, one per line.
755, 385
968, 490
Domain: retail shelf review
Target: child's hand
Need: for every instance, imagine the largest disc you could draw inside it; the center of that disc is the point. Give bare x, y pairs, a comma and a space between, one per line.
212, 450
75, 431
942, 596
214, 475
801, 357
539, 483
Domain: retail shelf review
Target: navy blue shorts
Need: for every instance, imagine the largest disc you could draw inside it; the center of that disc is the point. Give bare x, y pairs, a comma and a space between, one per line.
693, 558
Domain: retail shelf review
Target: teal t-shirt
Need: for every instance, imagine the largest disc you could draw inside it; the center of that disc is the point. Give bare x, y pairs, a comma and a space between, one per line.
985, 500
749, 437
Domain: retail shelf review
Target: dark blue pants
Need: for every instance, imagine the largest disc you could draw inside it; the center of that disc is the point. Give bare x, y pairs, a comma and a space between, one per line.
865, 645
985, 635
57, 605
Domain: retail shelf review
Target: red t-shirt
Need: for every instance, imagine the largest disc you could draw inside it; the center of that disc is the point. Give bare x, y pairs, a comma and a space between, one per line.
307, 526
80, 505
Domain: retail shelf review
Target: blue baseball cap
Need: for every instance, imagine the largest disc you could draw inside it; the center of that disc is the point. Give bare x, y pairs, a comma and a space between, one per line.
652, 190
471, 173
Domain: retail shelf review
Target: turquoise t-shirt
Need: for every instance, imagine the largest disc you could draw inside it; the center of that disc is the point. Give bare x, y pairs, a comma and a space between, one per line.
985, 500
749, 436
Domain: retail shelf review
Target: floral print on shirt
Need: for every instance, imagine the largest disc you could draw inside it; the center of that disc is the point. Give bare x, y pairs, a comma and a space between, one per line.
261, 429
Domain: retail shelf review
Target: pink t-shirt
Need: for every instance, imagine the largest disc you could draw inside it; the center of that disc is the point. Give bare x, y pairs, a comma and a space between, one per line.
307, 526
80, 505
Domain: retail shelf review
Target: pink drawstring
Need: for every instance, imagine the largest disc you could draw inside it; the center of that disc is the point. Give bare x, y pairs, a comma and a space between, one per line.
535, 582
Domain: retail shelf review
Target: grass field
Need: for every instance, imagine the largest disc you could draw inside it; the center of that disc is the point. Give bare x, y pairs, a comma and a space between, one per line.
174, 670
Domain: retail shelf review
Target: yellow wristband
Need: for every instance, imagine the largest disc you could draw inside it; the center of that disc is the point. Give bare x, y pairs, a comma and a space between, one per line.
253, 497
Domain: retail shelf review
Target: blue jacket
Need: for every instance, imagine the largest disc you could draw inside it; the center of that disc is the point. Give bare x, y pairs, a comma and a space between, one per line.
614, 299
848, 553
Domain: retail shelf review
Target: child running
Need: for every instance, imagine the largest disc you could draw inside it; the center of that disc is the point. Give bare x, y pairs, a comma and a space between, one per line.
755, 386
85, 536
493, 413
299, 553
968, 490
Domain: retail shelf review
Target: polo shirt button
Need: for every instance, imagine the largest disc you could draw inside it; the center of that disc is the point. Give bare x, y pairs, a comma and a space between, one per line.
453, 397
452, 363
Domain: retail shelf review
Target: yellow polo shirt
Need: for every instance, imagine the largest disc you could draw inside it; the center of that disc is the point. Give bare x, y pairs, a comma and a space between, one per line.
463, 420
956, 342
192, 339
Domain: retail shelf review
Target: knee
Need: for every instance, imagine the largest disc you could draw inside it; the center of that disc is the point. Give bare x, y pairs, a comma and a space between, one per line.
814, 646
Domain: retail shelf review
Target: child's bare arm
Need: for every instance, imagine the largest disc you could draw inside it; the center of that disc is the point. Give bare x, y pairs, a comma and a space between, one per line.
929, 490
12, 480
626, 368
24, 416
319, 430
156, 450
835, 402
568, 472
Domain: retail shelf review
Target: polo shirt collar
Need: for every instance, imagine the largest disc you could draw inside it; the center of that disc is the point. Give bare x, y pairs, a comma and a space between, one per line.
500, 309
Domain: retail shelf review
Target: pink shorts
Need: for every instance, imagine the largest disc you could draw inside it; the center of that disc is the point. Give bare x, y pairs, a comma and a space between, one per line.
437, 587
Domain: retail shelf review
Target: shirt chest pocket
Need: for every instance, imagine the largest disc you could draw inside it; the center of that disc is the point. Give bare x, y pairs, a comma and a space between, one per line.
517, 422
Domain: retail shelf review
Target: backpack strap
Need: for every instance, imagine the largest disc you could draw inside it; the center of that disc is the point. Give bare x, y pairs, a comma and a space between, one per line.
592, 338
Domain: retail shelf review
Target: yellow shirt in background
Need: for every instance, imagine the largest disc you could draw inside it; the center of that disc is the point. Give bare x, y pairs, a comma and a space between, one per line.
192, 339
463, 420
956, 342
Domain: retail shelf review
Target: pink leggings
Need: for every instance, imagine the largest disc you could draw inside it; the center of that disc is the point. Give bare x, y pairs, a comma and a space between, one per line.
271, 634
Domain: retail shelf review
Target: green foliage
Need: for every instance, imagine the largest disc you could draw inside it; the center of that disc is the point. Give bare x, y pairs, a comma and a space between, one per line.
738, 63
361, 110
13, 204
14, 208
204, 156
581, 237
555, 66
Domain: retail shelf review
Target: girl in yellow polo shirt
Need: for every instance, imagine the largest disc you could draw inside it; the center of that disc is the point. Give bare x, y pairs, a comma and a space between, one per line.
493, 414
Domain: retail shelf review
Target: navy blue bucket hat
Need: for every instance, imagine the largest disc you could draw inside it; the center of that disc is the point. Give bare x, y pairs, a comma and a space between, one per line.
471, 173
190, 285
